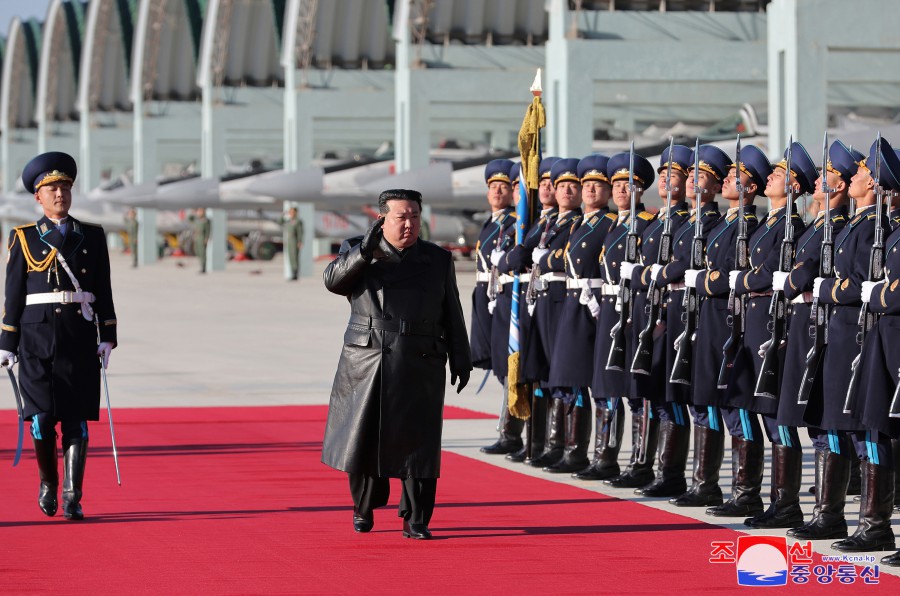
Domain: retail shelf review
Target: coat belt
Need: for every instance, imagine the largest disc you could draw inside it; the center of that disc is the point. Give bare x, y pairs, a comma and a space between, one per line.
580, 283
59, 298
508, 279
400, 326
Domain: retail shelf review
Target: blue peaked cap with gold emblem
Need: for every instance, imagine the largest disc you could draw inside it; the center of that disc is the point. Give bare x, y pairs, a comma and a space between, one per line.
682, 159
545, 166
617, 169
802, 167
515, 172
889, 176
713, 161
565, 170
593, 167
843, 161
755, 164
498, 169
47, 168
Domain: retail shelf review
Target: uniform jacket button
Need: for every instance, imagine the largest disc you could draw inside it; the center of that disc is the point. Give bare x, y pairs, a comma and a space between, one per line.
58, 310
84, 270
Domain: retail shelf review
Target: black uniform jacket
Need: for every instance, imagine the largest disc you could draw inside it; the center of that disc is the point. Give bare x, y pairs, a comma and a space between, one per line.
59, 372
384, 416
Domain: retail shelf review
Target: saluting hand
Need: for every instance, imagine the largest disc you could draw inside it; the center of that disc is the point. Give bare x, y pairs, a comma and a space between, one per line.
371, 239
463, 379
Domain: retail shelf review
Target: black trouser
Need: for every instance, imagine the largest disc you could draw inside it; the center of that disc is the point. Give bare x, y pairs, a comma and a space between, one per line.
416, 499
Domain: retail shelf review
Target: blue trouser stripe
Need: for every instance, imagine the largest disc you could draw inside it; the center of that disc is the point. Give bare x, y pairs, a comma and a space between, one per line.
745, 424
872, 448
785, 436
714, 418
538, 392
834, 442
36, 429
678, 413
579, 401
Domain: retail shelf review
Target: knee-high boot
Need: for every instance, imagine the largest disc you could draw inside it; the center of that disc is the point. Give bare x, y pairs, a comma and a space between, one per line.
48, 469
605, 463
895, 448
832, 477
674, 441
784, 510
578, 437
535, 431
747, 482
74, 457
639, 473
555, 443
709, 446
510, 439
874, 530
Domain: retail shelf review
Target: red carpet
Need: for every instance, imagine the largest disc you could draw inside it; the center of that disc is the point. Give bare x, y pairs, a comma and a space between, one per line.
234, 500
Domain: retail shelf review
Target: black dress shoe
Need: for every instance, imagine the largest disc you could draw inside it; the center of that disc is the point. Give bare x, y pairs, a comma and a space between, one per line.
47, 500
517, 457
417, 531
502, 447
891, 560
363, 523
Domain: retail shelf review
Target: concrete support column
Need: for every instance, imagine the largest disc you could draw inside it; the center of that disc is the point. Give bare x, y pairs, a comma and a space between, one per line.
567, 133
411, 133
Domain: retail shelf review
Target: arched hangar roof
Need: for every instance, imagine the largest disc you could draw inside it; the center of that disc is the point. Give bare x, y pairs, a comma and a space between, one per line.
106, 60
60, 61
20, 71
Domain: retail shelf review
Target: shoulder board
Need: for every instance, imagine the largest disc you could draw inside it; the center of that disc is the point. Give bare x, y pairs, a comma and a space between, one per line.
796, 215
731, 217
28, 225
577, 218
646, 215
683, 212
611, 216
871, 216
771, 221
838, 217
750, 216
711, 212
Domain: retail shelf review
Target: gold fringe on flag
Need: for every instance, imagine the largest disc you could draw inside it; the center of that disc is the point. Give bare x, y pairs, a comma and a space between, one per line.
529, 139
518, 399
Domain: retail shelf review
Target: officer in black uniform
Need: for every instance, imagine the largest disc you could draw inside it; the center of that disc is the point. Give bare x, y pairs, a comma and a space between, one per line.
58, 303
503, 219
851, 267
742, 406
713, 328
517, 259
609, 387
668, 422
573, 349
831, 468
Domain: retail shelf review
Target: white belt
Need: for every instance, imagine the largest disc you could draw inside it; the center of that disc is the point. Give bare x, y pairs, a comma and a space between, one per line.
508, 279
554, 276
580, 284
804, 298
59, 298
609, 290
481, 276
675, 286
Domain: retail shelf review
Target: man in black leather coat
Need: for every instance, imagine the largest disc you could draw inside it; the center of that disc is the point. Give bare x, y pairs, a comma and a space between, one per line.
406, 322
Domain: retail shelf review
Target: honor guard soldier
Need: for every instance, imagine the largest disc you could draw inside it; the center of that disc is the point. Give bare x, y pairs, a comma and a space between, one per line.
797, 285
58, 307
853, 264
667, 421
609, 386
503, 218
714, 326
742, 405
573, 349
563, 451
518, 260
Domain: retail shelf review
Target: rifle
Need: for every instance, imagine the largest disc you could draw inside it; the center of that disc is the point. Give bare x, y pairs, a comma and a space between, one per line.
643, 355
867, 319
820, 313
684, 348
736, 304
767, 383
616, 359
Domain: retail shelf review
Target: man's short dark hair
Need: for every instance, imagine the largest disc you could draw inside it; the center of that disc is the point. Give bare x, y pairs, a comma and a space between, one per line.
398, 194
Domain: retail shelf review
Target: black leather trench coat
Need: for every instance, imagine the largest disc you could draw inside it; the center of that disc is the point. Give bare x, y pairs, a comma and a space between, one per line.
406, 322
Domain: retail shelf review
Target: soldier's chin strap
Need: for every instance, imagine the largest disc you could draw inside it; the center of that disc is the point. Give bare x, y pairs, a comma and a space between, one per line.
87, 311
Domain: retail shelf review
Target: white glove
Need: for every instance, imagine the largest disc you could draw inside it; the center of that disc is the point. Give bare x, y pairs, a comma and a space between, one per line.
594, 307
538, 253
626, 269
779, 278
817, 286
732, 279
869, 288
103, 351
492, 304
496, 255
7, 359
690, 277
654, 272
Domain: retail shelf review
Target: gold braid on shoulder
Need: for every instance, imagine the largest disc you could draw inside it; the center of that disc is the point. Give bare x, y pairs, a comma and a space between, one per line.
32, 263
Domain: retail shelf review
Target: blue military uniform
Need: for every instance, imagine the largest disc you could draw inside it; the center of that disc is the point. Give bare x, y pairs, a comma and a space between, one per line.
58, 302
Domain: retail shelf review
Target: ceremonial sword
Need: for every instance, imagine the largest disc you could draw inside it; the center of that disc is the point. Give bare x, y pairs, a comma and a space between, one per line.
12, 378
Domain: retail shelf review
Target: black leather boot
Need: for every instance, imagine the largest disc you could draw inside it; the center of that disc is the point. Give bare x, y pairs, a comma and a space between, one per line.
674, 441
832, 476
555, 445
745, 500
48, 463
510, 439
578, 437
874, 530
606, 457
709, 446
535, 429
891, 560
784, 510
74, 459
639, 473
